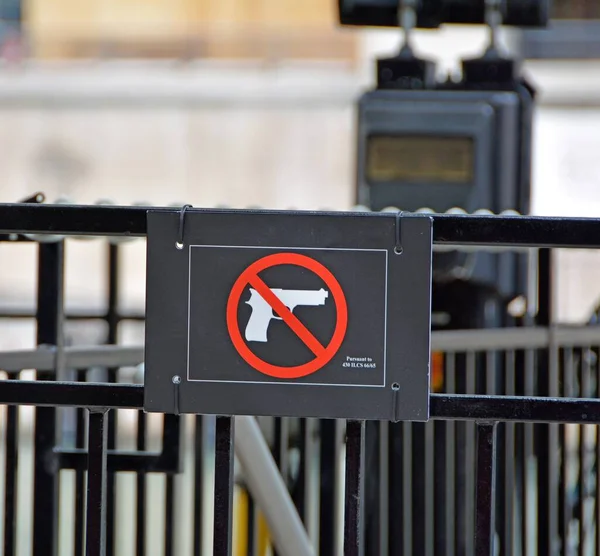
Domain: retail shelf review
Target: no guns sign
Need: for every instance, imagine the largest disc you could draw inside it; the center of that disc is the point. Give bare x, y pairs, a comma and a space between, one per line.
267, 303
288, 314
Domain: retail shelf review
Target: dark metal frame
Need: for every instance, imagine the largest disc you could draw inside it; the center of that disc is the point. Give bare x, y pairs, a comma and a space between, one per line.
452, 229
99, 399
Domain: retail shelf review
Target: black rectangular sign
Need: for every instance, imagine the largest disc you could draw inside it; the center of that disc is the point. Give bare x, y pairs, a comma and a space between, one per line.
288, 314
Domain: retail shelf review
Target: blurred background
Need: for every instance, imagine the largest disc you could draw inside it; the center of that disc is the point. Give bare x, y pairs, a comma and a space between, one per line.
240, 103
247, 103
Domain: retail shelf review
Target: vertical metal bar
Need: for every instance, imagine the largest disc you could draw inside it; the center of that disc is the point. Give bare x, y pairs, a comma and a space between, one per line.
498, 377
199, 454
280, 449
49, 331
440, 462
450, 475
469, 459
302, 486
95, 538
459, 511
485, 494
10, 482
112, 319
407, 477
545, 435
520, 460
252, 525
169, 514
140, 515
372, 489
327, 487
418, 489
224, 458
280, 446
597, 493
428, 494
396, 491
384, 485
566, 507
584, 470
80, 481
528, 498
354, 499
508, 546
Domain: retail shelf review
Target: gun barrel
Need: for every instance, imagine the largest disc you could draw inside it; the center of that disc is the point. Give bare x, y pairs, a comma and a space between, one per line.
302, 297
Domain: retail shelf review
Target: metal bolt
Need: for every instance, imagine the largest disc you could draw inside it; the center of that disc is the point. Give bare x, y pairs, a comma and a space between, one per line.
176, 379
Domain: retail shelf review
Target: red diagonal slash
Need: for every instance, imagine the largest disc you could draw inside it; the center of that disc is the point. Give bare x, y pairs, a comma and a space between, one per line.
288, 317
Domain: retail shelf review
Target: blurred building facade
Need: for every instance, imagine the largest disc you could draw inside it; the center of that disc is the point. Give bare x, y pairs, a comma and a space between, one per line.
219, 29
240, 103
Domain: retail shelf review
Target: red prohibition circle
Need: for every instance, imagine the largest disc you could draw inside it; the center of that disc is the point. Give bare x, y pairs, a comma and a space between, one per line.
326, 353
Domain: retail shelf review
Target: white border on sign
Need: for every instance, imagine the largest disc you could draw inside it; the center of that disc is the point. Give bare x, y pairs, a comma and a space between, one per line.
284, 382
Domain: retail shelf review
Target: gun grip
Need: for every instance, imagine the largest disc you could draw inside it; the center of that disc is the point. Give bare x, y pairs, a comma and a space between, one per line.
256, 329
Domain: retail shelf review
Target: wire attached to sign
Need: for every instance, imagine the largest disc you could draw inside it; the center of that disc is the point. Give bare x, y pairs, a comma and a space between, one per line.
176, 382
179, 243
398, 247
396, 391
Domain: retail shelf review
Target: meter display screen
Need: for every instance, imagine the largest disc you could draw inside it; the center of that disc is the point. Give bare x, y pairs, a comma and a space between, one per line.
419, 158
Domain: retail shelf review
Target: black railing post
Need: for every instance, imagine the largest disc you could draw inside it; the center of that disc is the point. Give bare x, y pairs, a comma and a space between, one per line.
95, 530
140, 497
355, 495
79, 508
418, 455
280, 450
301, 494
395, 515
199, 455
112, 320
376, 486
327, 475
10, 484
224, 458
49, 331
546, 435
486, 487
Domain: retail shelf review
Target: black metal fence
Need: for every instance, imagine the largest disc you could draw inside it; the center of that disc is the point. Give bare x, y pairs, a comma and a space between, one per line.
507, 465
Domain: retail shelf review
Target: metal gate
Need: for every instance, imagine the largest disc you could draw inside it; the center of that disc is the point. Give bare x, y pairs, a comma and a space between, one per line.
507, 465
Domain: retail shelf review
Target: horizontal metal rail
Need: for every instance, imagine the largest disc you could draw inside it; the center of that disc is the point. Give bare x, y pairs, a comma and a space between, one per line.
44, 358
26, 313
463, 407
515, 338
453, 229
117, 460
443, 406
44, 393
82, 357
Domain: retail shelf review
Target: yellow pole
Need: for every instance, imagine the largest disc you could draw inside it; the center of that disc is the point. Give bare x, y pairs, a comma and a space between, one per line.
240, 524
263, 535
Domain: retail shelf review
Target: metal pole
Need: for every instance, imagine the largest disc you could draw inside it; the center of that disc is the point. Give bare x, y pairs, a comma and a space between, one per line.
96, 489
546, 436
49, 331
112, 320
327, 486
486, 489
354, 499
224, 436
